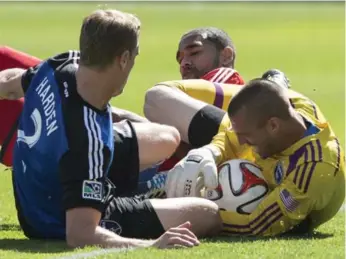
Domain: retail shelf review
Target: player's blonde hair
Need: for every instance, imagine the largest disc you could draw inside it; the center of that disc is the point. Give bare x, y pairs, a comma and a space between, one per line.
106, 34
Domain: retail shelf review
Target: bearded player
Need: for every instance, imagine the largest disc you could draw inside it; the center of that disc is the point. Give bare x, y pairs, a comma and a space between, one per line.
203, 53
287, 136
207, 53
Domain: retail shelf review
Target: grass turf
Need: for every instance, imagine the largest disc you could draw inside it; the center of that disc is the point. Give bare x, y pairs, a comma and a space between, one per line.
306, 40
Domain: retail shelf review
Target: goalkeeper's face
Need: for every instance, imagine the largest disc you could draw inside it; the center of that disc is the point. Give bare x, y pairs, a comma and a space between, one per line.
262, 136
197, 57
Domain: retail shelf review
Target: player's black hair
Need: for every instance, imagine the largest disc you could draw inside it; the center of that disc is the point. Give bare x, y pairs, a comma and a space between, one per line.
219, 38
262, 98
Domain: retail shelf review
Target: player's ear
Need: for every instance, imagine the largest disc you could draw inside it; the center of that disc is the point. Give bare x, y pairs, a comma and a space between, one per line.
124, 59
227, 57
273, 125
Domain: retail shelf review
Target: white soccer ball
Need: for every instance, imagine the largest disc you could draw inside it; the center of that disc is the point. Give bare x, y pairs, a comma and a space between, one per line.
241, 187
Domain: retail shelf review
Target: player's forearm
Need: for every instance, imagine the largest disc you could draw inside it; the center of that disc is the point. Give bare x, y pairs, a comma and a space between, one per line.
120, 114
10, 84
106, 239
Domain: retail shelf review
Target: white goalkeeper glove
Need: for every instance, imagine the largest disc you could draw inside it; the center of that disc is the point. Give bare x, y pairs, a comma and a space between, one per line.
191, 174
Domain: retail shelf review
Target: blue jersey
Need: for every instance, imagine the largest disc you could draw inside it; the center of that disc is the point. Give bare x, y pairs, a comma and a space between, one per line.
63, 152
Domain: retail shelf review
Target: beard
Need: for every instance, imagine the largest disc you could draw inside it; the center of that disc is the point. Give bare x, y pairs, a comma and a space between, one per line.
215, 64
195, 73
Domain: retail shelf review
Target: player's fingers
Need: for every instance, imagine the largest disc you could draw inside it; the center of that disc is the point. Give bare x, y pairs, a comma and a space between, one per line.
186, 224
184, 231
211, 180
187, 237
181, 240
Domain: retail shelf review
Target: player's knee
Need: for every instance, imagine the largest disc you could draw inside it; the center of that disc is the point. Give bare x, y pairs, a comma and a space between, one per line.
169, 138
152, 102
156, 142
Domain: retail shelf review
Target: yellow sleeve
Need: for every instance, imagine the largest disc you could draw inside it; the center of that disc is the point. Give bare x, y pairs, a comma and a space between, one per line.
225, 145
199, 89
221, 145
287, 205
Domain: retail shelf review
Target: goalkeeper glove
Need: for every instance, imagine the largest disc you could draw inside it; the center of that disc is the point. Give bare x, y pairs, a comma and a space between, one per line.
192, 173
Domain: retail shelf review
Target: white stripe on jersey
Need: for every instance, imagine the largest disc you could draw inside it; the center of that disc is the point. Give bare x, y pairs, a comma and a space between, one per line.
95, 145
219, 75
90, 142
94, 154
224, 76
100, 150
75, 56
228, 74
216, 75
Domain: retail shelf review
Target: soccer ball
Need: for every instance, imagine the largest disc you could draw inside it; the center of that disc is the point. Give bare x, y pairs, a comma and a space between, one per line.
241, 187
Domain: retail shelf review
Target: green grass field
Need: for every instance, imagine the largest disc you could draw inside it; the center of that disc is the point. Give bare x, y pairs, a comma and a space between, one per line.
306, 40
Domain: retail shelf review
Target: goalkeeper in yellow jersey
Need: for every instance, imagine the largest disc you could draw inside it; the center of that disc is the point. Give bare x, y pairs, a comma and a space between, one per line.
301, 159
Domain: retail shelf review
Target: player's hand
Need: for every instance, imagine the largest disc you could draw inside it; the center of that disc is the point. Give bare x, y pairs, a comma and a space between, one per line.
178, 237
191, 174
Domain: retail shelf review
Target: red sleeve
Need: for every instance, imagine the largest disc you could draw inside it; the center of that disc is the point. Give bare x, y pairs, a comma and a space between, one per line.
11, 58
10, 109
235, 79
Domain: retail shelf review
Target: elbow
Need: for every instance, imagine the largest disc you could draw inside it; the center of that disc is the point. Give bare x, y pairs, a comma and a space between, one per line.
78, 239
153, 101
74, 240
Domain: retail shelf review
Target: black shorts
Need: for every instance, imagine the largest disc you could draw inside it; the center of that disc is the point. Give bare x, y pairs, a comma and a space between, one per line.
205, 125
132, 217
124, 169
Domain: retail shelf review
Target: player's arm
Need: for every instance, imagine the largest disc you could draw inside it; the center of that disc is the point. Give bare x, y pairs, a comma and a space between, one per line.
287, 205
15, 82
11, 84
85, 190
120, 114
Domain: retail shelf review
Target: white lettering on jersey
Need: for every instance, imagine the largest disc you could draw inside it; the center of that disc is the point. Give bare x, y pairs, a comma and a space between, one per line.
48, 103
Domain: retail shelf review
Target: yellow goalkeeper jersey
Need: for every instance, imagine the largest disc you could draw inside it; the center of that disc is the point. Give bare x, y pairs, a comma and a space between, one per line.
216, 94
306, 181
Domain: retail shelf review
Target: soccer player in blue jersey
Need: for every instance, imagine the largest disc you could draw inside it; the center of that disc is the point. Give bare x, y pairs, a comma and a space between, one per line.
63, 159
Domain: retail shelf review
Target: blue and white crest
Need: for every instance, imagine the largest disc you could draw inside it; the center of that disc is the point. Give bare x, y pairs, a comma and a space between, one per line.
111, 225
278, 172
